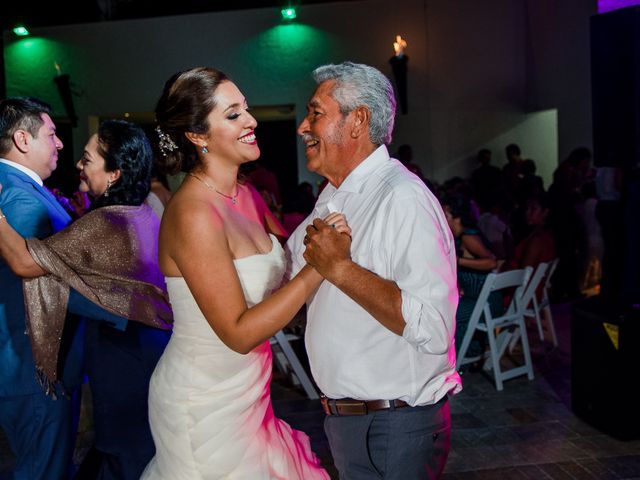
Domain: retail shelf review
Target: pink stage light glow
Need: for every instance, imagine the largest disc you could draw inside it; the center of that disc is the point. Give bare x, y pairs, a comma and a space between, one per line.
609, 5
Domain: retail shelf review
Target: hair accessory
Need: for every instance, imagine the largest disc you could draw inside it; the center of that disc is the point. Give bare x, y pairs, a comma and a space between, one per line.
204, 149
166, 143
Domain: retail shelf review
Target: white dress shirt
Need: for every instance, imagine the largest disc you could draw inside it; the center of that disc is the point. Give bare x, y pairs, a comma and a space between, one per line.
401, 234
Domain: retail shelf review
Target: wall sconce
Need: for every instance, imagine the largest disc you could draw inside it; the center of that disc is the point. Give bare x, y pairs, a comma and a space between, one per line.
64, 88
399, 66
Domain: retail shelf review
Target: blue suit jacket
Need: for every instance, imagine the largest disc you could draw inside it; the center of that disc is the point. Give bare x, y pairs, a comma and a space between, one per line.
34, 212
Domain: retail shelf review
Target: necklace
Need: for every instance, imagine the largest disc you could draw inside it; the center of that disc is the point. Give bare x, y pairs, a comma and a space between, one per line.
233, 198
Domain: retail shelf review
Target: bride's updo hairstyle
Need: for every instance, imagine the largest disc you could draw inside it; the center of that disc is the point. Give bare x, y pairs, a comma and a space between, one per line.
186, 101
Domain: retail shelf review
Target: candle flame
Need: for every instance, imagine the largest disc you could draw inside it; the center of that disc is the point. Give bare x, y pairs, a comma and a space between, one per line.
399, 45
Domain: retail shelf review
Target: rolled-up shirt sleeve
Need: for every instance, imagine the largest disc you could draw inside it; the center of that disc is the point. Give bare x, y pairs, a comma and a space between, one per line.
423, 265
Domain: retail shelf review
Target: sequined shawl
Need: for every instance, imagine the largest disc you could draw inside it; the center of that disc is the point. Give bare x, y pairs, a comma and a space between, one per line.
110, 256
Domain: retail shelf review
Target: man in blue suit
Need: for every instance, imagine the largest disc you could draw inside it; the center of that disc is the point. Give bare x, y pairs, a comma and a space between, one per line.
40, 429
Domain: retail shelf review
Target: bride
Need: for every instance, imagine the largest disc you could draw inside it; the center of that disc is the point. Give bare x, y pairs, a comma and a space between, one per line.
209, 402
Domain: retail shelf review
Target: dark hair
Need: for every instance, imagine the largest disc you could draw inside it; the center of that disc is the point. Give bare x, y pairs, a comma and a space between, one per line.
125, 146
577, 155
512, 149
542, 198
460, 207
186, 101
20, 113
405, 149
528, 167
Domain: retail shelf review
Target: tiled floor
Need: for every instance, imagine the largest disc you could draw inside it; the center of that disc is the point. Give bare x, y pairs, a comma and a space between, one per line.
527, 431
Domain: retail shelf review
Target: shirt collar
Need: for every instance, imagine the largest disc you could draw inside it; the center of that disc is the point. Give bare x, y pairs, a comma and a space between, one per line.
355, 180
27, 171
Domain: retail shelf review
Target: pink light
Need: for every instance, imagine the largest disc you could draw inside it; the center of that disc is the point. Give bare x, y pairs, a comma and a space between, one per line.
609, 5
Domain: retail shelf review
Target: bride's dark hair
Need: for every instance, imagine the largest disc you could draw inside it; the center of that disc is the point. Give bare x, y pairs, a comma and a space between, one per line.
186, 101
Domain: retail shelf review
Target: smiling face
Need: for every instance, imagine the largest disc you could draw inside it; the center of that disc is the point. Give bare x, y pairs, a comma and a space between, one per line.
43, 148
93, 176
231, 133
323, 131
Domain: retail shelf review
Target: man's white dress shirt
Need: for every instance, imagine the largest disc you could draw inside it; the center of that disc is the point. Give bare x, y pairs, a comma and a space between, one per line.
400, 233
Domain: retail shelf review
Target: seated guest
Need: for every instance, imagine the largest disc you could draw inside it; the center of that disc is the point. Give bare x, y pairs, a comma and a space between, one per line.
110, 256
493, 226
475, 261
539, 245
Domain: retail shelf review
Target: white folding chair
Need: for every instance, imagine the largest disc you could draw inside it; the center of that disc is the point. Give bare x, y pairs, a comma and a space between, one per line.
500, 329
544, 305
529, 296
286, 360
537, 304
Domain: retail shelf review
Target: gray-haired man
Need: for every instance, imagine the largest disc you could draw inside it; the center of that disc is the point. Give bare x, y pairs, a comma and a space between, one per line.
381, 327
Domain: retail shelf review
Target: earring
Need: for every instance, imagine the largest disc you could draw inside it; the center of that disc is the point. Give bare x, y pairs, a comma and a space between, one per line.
106, 192
204, 149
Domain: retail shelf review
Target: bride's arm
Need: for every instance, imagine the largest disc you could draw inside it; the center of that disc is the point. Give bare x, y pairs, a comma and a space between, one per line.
195, 241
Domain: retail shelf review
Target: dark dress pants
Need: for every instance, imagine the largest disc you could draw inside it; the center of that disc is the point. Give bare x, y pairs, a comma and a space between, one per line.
405, 443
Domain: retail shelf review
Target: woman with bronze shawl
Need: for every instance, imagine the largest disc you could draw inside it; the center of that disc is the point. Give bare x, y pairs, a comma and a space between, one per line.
109, 256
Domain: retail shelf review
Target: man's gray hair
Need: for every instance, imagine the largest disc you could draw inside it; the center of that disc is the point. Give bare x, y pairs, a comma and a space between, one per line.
361, 85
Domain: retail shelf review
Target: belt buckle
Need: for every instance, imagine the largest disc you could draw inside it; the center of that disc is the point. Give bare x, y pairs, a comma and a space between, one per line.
329, 406
343, 407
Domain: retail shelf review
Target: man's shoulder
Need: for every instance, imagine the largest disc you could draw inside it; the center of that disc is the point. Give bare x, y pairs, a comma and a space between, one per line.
400, 182
22, 204
13, 178
17, 187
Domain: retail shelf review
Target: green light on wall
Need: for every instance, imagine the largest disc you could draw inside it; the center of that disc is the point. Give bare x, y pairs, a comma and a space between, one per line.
30, 67
21, 30
288, 13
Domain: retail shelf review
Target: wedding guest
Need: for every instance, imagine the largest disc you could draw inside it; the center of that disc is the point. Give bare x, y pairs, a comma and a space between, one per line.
380, 330
39, 429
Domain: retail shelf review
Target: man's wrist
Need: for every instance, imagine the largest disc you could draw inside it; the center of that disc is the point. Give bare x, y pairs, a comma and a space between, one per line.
339, 273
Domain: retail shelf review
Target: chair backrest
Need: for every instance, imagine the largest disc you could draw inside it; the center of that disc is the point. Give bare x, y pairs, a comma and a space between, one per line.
552, 268
502, 281
541, 274
513, 315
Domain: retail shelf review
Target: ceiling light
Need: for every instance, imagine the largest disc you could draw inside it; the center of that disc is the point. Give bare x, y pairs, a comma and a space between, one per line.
21, 30
288, 13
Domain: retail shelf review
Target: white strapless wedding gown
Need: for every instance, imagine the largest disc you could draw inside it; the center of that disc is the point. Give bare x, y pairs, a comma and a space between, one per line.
209, 407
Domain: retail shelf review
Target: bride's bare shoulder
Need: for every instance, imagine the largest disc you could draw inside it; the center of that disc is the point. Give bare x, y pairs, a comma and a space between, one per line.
192, 209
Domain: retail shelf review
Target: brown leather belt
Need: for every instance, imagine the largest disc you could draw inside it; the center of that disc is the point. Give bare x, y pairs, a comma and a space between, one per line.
349, 406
